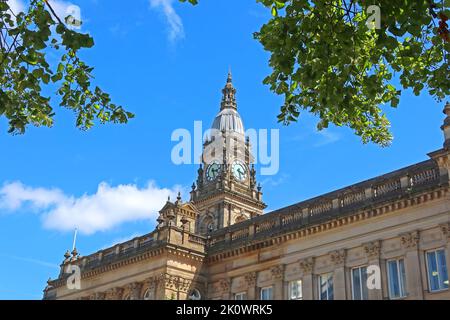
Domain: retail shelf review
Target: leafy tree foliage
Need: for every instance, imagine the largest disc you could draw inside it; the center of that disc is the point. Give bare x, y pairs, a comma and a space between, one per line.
27, 41
328, 60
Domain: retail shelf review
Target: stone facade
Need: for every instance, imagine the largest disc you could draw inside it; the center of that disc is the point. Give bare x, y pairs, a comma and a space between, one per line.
219, 245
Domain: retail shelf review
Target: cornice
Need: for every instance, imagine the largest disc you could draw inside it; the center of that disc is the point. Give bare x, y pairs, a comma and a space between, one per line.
304, 231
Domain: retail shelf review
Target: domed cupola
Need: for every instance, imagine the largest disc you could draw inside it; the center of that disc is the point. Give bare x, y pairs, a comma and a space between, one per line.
228, 119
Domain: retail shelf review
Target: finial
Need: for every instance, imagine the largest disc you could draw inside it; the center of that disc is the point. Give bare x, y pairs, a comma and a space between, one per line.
193, 186
67, 254
229, 94
447, 109
230, 77
259, 187
168, 198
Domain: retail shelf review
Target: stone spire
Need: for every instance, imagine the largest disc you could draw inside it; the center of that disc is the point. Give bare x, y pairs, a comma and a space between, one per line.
229, 95
446, 126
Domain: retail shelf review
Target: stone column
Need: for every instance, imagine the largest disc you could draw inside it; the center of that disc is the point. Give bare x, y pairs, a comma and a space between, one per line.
114, 294
250, 278
278, 278
339, 288
135, 290
100, 296
225, 287
445, 229
307, 266
151, 284
372, 250
410, 243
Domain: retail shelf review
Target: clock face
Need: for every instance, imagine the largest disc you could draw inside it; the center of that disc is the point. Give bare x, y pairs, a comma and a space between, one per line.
239, 171
213, 171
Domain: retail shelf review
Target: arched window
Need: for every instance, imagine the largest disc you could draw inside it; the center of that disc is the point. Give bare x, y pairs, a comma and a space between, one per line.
148, 295
207, 225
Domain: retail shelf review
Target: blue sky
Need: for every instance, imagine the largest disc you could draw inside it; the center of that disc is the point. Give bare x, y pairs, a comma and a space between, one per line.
167, 62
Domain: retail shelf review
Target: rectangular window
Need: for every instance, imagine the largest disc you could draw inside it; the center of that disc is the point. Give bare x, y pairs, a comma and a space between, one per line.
359, 284
437, 270
396, 278
240, 296
295, 290
266, 293
326, 286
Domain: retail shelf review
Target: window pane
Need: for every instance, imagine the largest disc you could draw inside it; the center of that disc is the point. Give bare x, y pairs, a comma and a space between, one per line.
442, 269
433, 274
330, 287
295, 290
356, 279
323, 288
266, 294
394, 290
365, 290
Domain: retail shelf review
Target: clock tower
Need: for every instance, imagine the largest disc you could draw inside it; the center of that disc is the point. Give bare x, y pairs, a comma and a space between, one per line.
226, 191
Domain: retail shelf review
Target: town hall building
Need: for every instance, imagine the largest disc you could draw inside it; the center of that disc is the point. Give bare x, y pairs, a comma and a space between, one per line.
383, 238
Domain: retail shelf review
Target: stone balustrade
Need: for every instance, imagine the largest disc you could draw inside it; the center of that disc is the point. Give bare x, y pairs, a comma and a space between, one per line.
345, 201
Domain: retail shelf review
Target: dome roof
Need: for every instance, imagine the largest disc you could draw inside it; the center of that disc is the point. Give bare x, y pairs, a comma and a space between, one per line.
228, 120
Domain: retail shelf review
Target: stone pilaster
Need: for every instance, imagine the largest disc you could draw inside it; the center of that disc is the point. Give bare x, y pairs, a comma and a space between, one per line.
250, 279
372, 251
445, 229
134, 290
277, 273
151, 285
338, 259
307, 267
225, 288
410, 243
114, 294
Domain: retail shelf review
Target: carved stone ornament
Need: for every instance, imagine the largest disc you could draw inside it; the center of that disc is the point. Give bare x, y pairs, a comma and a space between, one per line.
150, 283
410, 240
250, 278
307, 265
184, 285
277, 272
224, 285
99, 296
338, 257
114, 294
372, 249
135, 290
445, 229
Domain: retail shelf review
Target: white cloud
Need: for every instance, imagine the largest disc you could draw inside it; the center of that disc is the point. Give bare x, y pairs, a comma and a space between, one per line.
64, 9
107, 208
16, 6
176, 30
328, 137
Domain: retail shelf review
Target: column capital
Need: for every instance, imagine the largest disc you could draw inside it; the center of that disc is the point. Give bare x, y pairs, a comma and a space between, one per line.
372, 249
277, 272
225, 285
338, 257
445, 229
410, 240
114, 293
250, 278
307, 265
